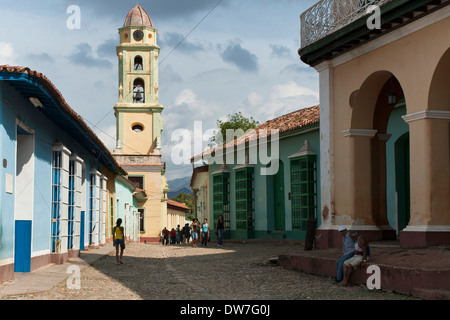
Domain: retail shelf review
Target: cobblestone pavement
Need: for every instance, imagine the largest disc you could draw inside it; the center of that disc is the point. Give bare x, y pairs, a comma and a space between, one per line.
237, 271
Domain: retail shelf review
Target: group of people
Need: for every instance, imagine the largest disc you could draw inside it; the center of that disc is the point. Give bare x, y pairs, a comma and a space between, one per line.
356, 251
195, 232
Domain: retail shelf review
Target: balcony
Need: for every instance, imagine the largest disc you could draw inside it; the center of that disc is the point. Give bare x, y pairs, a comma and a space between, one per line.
328, 16
332, 27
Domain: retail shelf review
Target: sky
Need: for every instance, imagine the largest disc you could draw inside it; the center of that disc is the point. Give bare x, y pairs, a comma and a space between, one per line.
234, 55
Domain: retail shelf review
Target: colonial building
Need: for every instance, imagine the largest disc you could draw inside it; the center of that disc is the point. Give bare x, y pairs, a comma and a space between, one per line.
261, 196
384, 118
57, 179
139, 120
200, 188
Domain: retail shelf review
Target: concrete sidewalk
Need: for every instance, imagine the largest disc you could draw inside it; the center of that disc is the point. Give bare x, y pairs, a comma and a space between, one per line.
47, 277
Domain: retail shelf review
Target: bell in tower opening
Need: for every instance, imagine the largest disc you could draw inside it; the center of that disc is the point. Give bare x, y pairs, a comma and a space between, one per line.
138, 91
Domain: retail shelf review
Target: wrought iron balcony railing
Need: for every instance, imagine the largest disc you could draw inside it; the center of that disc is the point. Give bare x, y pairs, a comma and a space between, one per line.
328, 16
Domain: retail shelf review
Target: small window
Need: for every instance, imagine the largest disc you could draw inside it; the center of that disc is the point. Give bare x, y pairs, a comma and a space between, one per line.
138, 63
138, 182
141, 220
137, 127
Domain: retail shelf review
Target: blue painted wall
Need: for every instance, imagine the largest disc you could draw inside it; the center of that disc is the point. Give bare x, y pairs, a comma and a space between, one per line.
13, 106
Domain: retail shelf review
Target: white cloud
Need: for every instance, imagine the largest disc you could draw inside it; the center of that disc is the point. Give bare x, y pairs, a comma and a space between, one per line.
187, 96
6, 53
292, 89
107, 135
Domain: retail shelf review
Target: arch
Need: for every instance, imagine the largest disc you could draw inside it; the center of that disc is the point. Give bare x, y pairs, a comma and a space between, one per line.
371, 110
439, 93
138, 63
364, 101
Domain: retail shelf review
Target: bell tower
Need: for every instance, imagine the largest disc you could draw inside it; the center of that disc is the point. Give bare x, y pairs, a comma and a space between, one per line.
139, 120
138, 112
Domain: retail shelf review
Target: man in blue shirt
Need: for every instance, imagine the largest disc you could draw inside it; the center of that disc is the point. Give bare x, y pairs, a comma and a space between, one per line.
348, 249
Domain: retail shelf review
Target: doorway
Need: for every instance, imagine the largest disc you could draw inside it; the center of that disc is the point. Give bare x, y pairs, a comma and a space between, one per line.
402, 180
24, 198
278, 198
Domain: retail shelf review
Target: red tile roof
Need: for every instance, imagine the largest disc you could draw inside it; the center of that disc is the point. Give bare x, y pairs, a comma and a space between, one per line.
62, 102
177, 205
295, 120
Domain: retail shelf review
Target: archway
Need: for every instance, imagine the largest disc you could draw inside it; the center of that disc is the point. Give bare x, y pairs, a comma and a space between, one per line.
373, 109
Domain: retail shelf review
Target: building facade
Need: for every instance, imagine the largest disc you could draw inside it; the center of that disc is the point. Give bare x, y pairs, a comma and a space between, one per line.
54, 179
139, 120
385, 114
260, 203
200, 189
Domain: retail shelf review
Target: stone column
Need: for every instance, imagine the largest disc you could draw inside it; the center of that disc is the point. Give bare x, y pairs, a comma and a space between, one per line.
430, 179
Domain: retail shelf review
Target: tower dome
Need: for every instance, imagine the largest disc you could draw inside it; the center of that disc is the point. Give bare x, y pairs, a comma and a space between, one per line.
138, 17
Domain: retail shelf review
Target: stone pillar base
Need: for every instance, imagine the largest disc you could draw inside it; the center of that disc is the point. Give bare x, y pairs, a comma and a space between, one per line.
423, 236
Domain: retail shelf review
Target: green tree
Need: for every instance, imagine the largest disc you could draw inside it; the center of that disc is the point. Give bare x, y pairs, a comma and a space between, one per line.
188, 200
235, 122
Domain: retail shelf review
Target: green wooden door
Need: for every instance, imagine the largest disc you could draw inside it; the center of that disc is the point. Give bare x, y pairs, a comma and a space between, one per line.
278, 197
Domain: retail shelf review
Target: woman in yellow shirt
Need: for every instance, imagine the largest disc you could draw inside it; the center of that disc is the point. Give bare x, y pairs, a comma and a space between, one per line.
119, 240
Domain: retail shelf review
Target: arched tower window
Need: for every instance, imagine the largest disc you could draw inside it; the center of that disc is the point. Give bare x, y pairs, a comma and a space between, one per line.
138, 91
138, 65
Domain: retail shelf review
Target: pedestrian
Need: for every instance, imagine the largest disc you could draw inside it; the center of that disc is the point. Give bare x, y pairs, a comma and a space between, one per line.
178, 234
359, 257
194, 232
187, 232
165, 234
205, 232
119, 240
348, 245
220, 230
173, 236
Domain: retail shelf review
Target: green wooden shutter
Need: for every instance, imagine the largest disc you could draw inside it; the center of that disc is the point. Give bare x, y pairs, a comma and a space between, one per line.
303, 190
221, 198
245, 211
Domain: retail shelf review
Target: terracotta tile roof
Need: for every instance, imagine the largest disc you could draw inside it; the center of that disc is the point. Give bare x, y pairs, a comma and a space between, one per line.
138, 17
62, 102
295, 120
177, 205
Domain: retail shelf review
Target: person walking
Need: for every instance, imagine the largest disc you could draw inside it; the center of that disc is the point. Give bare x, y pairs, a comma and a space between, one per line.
179, 235
165, 234
220, 230
119, 240
187, 232
194, 233
205, 232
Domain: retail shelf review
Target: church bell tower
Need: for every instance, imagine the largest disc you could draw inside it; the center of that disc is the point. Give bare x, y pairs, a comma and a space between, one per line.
138, 112
139, 120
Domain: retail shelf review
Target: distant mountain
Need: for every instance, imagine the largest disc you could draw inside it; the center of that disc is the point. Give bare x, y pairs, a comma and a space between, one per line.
179, 185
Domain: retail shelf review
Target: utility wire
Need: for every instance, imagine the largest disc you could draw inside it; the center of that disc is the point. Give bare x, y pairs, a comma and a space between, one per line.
167, 56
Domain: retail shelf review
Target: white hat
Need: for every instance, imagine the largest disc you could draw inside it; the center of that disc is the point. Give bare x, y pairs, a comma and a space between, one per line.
342, 228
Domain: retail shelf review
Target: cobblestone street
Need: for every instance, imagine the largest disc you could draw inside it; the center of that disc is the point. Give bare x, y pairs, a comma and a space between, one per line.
237, 271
